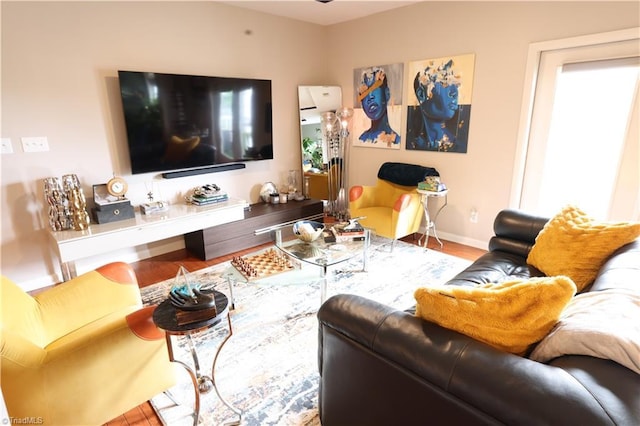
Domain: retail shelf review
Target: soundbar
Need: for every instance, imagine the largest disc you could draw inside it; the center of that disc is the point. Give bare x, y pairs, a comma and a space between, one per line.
204, 170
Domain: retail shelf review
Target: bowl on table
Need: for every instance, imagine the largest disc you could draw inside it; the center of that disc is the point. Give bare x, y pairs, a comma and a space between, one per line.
308, 230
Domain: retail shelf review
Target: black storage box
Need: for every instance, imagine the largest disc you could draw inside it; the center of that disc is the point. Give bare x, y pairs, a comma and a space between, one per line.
113, 212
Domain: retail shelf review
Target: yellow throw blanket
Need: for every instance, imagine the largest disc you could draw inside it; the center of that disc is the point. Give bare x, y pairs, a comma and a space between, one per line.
510, 316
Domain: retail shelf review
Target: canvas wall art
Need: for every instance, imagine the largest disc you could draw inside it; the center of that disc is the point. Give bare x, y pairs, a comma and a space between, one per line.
439, 103
378, 106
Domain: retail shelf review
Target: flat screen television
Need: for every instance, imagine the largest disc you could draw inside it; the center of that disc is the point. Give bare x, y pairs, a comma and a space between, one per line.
178, 122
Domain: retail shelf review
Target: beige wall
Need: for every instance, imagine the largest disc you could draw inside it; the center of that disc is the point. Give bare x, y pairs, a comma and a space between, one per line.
499, 33
59, 79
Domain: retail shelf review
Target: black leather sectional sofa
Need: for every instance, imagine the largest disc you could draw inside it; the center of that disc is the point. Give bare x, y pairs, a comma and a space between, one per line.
383, 366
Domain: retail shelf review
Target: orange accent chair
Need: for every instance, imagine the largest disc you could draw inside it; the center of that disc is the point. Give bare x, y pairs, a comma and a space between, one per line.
392, 208
82, 352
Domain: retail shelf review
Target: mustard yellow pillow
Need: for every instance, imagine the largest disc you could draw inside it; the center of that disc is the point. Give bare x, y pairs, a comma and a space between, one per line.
510, 316
576, 245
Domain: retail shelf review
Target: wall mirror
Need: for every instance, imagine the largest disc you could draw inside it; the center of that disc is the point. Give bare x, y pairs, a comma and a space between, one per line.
313, 101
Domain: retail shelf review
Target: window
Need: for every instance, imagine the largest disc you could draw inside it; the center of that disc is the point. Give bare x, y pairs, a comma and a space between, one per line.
580, 143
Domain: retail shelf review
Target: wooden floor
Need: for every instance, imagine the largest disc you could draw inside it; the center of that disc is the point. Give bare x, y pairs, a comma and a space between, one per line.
159, 268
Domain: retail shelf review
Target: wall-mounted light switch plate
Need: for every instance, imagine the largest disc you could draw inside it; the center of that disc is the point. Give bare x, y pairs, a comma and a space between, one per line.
35, 144
473, 215
7, 148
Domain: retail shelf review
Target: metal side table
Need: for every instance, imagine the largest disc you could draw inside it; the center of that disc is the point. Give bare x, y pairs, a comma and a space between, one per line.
165, 318
431, 224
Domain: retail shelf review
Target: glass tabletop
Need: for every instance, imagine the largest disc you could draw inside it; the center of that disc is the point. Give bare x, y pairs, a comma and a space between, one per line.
319, 253
323, 253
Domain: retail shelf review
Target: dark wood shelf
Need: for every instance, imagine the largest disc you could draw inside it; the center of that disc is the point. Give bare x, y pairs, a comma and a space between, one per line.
239, 235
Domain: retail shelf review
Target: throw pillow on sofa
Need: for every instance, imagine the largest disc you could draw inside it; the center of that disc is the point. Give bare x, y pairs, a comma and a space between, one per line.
510, 316
576, 245
602, 324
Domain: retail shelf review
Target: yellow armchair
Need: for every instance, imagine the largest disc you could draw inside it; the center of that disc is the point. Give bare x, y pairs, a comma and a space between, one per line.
82, 352
392, 208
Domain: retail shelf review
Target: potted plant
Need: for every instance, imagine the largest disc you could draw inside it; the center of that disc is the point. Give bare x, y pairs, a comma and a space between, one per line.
312, 151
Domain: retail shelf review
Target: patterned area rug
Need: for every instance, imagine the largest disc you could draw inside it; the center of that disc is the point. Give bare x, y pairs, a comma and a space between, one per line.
268, 368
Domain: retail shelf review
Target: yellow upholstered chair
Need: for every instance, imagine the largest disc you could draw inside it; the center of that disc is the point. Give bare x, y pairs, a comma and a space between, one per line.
392, 207
82, 352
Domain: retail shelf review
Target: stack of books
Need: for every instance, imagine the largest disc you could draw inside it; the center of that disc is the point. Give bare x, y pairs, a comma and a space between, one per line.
431, 183
207, 194
342, 233
184, 317
203, 200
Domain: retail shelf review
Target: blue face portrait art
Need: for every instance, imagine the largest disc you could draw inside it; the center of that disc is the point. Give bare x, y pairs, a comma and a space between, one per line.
375, 103
437, 92
374, 95
443, 102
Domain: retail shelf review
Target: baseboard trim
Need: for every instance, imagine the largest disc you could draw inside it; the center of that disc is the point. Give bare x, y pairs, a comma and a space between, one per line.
479, 244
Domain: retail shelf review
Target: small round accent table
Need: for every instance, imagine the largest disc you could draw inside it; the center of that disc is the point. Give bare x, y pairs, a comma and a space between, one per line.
164, 318
431, 224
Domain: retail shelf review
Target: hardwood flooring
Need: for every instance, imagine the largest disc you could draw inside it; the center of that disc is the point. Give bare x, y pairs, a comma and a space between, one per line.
159, 268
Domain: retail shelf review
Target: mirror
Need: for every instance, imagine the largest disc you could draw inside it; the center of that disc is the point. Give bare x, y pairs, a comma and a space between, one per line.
313, 101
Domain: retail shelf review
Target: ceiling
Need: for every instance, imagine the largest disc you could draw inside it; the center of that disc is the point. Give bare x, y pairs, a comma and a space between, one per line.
321, 13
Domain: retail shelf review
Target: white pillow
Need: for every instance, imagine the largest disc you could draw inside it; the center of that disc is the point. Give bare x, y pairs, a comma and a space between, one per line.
603, 324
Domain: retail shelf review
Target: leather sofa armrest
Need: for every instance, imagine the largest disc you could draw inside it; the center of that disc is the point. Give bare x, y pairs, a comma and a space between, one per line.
447, 362
516, 231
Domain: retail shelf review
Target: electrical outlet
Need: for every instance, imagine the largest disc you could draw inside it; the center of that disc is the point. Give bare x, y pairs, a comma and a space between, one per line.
473, 216
35, 144
7, 148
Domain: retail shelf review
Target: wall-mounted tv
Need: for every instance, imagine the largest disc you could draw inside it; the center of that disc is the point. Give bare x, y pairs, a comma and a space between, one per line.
177, 122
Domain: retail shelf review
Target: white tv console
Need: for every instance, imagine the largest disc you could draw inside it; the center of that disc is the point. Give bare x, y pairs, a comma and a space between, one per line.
107, 237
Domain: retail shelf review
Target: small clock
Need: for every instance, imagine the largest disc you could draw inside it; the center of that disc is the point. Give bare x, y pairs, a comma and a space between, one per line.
117, 187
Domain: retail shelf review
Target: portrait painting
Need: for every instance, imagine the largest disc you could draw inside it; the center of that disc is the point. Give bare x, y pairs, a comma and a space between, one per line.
377, 103
439, 103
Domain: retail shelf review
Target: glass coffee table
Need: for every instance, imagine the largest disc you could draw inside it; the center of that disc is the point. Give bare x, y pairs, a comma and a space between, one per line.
318, 253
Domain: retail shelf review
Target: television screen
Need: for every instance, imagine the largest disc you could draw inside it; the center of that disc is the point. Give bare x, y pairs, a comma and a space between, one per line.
178, 122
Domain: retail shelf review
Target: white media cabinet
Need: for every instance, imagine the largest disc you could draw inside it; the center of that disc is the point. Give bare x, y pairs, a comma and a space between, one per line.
103, 238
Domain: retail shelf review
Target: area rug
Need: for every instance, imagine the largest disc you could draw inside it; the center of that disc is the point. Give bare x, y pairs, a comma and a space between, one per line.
268, 368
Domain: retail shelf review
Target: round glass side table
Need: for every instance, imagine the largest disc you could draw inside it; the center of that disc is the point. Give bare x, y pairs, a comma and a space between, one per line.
165, 318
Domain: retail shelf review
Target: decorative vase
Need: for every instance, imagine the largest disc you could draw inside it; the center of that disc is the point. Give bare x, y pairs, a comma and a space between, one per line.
266, 191
77, 202
58, 204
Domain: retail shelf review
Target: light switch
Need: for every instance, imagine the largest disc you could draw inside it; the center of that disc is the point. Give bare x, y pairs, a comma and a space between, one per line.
7, 148
35, 144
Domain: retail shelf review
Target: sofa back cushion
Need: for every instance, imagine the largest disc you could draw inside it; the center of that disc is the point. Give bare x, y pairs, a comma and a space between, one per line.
621, 270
